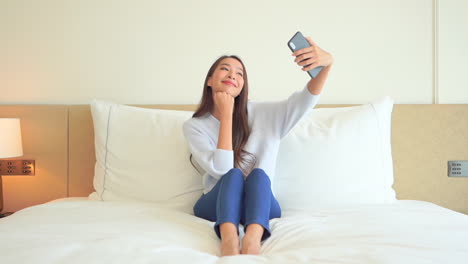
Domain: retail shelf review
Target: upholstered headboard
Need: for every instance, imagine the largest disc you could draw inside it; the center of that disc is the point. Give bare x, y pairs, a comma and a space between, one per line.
424, 138
61, 140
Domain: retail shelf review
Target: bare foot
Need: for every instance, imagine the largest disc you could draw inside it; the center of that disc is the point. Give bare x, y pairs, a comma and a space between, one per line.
250, 245
230, 246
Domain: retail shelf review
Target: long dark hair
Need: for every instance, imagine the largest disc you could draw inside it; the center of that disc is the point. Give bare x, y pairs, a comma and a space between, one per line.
243, 160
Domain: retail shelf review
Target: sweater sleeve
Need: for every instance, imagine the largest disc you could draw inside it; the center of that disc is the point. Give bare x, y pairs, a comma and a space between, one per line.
282, 116
216, 162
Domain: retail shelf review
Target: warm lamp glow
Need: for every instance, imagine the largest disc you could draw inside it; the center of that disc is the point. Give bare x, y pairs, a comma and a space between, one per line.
10, 144
10, 138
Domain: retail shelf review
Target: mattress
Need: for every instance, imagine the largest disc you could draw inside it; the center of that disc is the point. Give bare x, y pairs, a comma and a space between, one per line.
79, 230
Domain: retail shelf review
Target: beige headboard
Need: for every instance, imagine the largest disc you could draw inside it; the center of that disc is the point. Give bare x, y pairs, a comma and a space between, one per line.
424, 138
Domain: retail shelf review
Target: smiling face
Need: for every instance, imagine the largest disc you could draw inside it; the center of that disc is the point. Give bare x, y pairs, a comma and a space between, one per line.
228, 77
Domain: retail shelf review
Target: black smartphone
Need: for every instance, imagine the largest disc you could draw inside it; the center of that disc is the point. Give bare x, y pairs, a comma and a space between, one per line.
297, 42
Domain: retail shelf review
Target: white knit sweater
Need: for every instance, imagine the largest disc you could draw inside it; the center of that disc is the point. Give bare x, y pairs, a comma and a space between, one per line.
269, 122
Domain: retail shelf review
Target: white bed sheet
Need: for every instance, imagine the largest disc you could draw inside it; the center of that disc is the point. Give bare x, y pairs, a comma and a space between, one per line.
86, 231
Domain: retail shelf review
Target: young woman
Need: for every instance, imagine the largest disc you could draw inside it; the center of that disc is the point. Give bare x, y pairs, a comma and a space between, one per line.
236, 142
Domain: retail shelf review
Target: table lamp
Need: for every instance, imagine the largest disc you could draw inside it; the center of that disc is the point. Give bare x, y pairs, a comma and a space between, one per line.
10, 145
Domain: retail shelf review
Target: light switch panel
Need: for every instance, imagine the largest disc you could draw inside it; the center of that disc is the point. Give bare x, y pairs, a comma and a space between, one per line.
458, 168
17, 167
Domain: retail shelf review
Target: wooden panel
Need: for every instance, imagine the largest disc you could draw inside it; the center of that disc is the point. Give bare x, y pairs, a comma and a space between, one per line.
81, 151
424, 138
44, 132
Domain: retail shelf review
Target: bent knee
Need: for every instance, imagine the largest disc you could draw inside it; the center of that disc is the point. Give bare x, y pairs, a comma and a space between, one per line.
258, 174
258, 171
235, 171
233, 174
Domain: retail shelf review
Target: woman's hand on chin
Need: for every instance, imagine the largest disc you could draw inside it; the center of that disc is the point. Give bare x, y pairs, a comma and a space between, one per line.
224, 102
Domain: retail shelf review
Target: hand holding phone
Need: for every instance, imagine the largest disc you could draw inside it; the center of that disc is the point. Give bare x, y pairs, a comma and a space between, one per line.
297, 42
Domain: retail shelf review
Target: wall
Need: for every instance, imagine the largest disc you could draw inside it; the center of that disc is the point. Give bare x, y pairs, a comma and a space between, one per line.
68, 52
158, 52
452, 50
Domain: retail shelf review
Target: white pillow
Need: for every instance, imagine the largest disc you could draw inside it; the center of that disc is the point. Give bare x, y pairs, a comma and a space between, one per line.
337, 156
142, 155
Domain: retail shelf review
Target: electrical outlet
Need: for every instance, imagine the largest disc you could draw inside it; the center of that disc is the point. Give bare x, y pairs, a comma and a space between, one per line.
458, 168
17, 167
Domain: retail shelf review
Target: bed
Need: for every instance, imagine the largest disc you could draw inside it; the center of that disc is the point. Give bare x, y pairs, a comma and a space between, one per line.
84, 231
346, 211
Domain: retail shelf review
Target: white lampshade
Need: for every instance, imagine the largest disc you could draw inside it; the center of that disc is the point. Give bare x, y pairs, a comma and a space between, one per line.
10, 138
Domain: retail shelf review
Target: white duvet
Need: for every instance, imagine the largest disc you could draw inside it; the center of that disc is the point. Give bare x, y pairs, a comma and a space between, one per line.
85, 231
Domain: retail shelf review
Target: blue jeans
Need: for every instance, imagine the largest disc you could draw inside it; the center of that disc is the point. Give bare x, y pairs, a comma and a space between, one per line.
236, 200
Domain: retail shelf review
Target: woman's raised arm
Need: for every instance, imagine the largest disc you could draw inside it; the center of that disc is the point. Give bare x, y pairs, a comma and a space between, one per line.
310, 58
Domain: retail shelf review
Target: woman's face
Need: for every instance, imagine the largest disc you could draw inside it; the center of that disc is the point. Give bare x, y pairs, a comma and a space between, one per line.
228, 77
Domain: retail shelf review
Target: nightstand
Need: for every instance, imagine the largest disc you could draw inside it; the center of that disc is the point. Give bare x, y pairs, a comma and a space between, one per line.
5, 214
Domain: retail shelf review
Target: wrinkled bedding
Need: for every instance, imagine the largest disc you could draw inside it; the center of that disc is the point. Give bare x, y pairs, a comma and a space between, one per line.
87, 231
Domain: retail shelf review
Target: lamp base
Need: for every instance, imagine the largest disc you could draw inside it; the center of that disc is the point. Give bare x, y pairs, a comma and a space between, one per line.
5, 214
